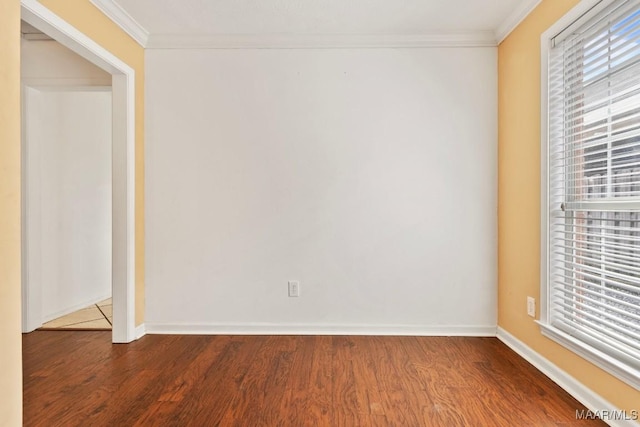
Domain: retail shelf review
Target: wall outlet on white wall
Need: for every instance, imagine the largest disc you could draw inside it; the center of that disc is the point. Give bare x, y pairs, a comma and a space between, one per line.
531, 306
333, 226
294, 288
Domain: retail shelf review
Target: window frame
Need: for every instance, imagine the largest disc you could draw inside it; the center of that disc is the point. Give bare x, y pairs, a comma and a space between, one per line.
583, 11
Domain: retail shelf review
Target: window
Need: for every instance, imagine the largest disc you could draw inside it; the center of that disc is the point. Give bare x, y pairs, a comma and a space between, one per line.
591, 205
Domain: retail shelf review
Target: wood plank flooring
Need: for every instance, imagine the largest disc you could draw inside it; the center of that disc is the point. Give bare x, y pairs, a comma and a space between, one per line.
76, 378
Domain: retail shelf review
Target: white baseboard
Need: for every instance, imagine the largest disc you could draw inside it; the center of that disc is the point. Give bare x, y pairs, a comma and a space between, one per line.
140, 331
317, 329
579, 391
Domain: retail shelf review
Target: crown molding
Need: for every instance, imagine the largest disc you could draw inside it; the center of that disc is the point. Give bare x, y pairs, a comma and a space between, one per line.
309, 41
319, 41
514, 19
122, 19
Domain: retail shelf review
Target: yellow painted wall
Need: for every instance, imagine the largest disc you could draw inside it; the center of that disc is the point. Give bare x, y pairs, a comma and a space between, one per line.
10, 338
519, 201
89, 20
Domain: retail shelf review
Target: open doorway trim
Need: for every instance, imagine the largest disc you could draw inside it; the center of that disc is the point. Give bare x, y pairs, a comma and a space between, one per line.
123, 163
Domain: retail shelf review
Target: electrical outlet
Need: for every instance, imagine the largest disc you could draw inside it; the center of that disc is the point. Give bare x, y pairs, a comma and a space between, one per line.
294, 288
531, 306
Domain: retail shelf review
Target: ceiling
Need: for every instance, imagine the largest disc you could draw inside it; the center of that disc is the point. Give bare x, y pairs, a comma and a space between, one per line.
166, 19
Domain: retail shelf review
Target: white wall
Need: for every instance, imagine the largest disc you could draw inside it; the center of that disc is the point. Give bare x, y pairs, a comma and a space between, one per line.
68, 136
368, 175
67, 158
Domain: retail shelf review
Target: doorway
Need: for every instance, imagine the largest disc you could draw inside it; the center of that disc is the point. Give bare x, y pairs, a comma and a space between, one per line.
67, 197
122, 242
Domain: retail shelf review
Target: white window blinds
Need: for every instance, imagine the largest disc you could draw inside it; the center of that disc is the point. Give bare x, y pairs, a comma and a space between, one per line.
594, 185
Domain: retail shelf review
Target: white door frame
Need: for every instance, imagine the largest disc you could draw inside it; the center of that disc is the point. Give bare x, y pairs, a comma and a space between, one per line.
123, 171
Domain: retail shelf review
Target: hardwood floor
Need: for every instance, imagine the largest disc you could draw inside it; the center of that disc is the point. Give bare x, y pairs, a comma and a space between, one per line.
81, 379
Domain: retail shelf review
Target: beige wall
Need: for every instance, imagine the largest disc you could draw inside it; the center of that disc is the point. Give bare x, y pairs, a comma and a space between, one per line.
11, 350
88, 19
519, 200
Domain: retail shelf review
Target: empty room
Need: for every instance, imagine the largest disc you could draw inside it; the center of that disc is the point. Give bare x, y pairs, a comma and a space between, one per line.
320, 212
